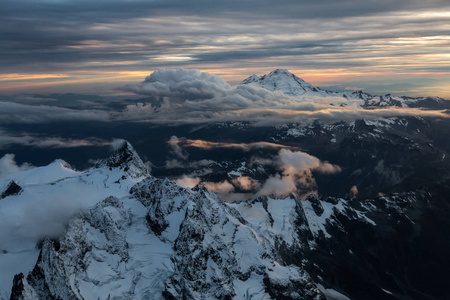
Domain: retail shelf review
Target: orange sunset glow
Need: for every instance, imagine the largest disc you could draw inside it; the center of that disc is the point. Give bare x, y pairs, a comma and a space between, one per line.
405, 46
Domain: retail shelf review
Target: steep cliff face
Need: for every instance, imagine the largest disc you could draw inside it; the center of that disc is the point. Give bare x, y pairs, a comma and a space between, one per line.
125, 158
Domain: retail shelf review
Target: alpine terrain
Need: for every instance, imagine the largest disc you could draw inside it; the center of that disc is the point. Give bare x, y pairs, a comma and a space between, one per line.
354, 209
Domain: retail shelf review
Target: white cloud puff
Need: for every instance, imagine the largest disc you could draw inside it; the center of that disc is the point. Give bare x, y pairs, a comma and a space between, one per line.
296, 174
180, 85
223, 187
188, 182
9, 166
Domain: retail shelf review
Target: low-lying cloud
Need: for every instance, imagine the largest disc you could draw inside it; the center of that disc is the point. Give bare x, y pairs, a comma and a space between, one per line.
180, 85
245, 183
181, 156
9, 166
296, 174
278, 186
40, 141
176, 149
353, 193
295, 162
188, 182
27, 225
116, 144
184, 96
221, 188
17, 113
198, 97
208, 145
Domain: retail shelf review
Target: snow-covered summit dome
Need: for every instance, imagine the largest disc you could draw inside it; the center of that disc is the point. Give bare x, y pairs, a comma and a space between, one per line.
282, 80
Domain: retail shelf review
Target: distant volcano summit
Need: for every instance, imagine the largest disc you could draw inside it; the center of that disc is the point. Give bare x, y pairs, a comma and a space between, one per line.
284, 81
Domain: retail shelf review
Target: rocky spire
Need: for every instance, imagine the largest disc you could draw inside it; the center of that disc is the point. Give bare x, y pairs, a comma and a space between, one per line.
126, 158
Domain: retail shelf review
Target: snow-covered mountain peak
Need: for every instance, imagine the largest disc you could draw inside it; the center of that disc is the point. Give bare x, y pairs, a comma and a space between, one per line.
252, 78
62, 163
54, 171
281, 72
126, 158
284, 81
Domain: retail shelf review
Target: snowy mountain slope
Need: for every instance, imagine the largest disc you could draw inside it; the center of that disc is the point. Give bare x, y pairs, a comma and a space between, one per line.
206, 250
57, 170
284, 81
288, 83
147, 238
381, 248
403, 101
350, 245
49, 196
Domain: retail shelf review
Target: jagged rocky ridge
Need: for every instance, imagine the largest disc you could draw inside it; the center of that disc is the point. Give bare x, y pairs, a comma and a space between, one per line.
126, 158
162, 241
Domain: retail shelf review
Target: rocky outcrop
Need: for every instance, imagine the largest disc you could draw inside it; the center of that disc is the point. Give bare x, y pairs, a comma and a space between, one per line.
126, 158
11, 189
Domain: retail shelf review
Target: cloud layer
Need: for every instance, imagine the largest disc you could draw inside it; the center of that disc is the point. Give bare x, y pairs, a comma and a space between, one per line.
182, 104
12, 113
295, 174
41, 141
179, 96
107, 42
207, 145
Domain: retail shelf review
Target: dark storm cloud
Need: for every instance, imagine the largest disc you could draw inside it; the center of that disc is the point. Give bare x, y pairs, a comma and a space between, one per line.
131, 35
86, 10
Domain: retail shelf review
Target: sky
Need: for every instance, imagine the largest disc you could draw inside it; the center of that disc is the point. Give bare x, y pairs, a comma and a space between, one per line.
59, 46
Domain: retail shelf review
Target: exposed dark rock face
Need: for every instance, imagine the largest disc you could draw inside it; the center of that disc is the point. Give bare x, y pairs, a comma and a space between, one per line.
11, 189
126, 158
17, 288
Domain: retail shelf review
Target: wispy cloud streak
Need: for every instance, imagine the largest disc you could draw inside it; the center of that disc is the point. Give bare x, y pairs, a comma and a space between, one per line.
86, 41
